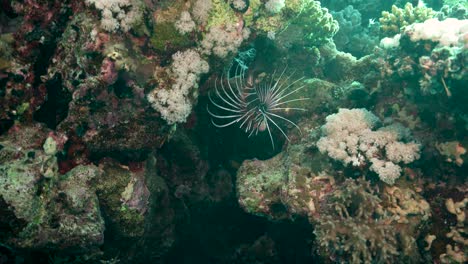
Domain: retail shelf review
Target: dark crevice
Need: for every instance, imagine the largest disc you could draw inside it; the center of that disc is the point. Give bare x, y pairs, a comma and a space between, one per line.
55, 108
121, 88
5, 124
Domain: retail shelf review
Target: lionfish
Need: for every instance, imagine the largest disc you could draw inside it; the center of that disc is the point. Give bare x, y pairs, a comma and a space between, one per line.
254, 107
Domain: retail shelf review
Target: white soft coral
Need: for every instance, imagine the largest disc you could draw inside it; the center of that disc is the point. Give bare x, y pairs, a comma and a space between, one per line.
349, 138
274, 6
449, 32
185, 23
225, 40
201, 10
118, 14
175, 104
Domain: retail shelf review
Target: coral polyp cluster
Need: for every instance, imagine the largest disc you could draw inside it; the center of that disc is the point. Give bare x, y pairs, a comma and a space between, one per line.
349, 138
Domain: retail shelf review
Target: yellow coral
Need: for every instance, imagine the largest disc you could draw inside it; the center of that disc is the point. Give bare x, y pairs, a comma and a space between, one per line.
392, 22
453, 150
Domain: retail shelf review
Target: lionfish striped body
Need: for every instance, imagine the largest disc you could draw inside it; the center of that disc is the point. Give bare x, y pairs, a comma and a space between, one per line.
254, 107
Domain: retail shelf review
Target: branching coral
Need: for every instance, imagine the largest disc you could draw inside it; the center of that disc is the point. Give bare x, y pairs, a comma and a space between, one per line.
456, 251
453, 151
349, 138
355, 229
392, 22
357, 226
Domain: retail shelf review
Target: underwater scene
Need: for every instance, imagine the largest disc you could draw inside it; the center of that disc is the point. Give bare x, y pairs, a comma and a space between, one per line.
233, 131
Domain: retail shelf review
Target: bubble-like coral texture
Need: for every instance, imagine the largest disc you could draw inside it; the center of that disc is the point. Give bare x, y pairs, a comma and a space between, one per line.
222, 41
118, 14
348, 137
174, 104
201, 10
185, 23
274, 6
450, 32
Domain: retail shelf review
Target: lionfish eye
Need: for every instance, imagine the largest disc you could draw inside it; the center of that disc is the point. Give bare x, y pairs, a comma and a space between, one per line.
253, 107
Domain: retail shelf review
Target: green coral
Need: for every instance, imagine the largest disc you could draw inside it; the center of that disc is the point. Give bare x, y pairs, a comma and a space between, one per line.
166, 37
313, 26
264, 21
253, 11
318, 25
267, 24
308, 21
221, 14
22, 108
392, 22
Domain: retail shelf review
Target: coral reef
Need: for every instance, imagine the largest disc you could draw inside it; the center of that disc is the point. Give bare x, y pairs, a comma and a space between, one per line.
453, 150
368, 9
455, 252
440, 47
137, 207
108, 153
353, 36
353, 221
174, 103
392, 22
317, 24
66, 214
448, 233
456, 10
6, 41
118, 14
455, 3
357, 226
349, 138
